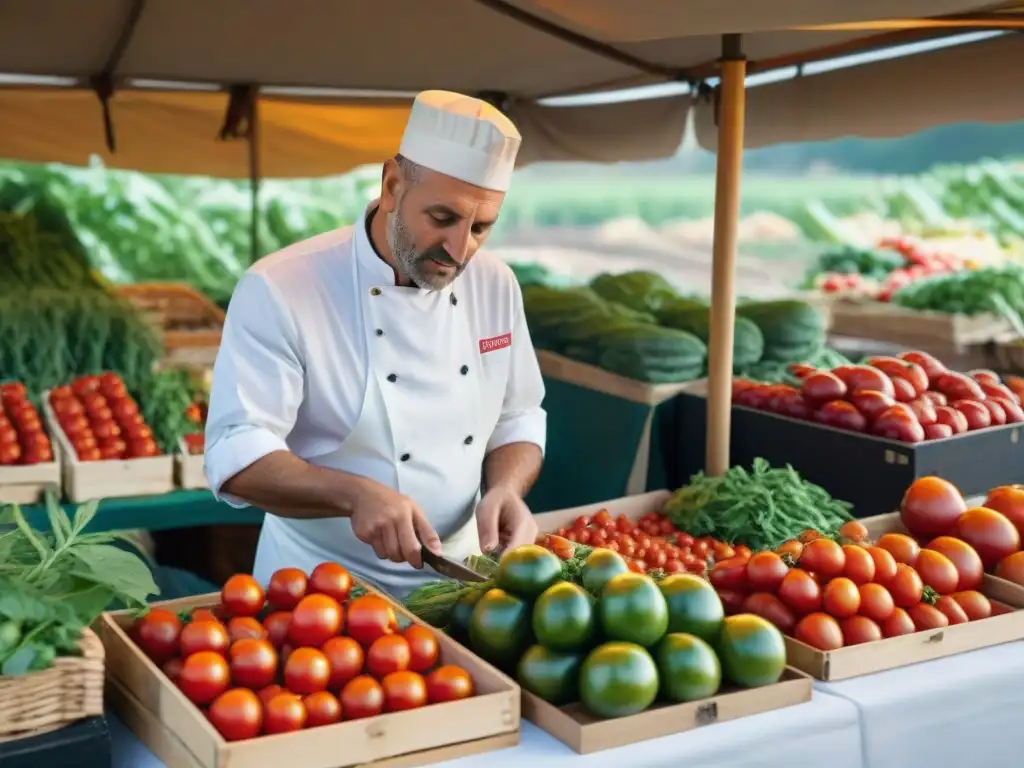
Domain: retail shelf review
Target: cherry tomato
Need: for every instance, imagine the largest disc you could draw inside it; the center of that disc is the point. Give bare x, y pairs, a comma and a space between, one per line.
346, 659
266, 694
388, 654
315, 619
854, 531
331, 579
906, 587
370, 617
287, 586
937, 571
204, 676
927, 617
276, 625
448, 683
729, 574
242, 595
841, 598
765, 571
237, 714
902, 548
931, 506
990, 533
952, 610
875, 602
66, 406
808, 535
859, 629
976, 605
253, 663
793, 548
306, 670
674, 566
743, 552
142, 448
967, 562
245, 626
423, 648
322, 708
770, 608
800, 592
284, 713
859, 567
898, 624
824, 557
819, 630
204, 636
885, 565
362, 697
157, 634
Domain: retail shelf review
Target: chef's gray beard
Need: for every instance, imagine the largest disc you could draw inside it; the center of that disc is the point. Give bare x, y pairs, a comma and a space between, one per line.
410, 262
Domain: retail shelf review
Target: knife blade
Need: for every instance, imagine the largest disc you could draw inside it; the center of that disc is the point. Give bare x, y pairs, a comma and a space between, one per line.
450, 568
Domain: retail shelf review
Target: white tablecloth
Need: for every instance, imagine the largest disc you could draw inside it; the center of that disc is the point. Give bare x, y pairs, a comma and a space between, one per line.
965, 710
823, 731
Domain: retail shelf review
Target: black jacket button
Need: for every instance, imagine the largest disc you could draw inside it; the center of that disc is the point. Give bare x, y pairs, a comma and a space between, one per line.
380, 331
468, 440
405, 457
454, 300
392, 377
464, 370
375, 291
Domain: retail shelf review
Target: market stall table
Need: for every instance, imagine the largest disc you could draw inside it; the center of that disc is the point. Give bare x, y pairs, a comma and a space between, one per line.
796, 737
960, 710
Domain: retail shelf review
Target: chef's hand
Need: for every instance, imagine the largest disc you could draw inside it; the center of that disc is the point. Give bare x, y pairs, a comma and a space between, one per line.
502, 518
392, 524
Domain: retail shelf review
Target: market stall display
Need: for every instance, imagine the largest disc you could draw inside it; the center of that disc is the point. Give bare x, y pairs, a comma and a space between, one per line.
54, 585
188, 461
315, 656
189, 324
28, 466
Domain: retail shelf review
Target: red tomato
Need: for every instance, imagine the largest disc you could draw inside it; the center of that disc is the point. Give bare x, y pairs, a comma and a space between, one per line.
931, 366
276, 625
207, 614
897, 368
924, 409
237, 714
858, 377
875, 602
1008, 500
937, 571
315, 619
859, 629
792, 548
967, 562
840, 598
74, 424
770, 608
854, 531
938, 431
253, 663
898, 624
141, 448
404, 690
905, 392
951, 417
885, 564
448, 683
1011, 568
732, 600
423, 648
157, 634
266, 694
204, 636
287, 586
819, 630
138, 431
820, 387
371, 617
936, 398
765, 571
124, 410
952, 610
871, 403
388, 654
899, 423
66, 406
283, 714
242, 595
1012, 409
307, 670
322, 708
927, 617
975, 604
331, 579
994, 388
957, 386
824, 557
800, 592
906, 587
729, 574
362, 697
990, 533
860, 567
346, 658
204, 676
841, 415
902, 548
995, 411
172, 669
241, 627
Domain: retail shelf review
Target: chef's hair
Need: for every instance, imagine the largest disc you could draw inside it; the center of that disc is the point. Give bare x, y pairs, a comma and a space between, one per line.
411, 172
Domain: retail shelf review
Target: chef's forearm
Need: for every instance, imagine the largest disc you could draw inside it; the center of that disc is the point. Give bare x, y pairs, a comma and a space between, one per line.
287, 486
514, 466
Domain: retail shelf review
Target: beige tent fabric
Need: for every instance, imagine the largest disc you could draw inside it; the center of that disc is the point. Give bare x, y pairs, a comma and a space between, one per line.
975, 82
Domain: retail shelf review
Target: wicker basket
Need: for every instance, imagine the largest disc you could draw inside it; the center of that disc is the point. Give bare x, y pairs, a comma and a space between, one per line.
45, 701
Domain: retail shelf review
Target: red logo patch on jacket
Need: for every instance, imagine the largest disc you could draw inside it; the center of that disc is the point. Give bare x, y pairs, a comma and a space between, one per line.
495, 342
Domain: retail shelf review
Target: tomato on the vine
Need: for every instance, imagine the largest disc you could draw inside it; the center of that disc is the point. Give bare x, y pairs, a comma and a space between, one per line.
423, 647
800, 592
448, 683
157, 634
284, 713
253, 663
204, 636
331, 579
362, 697
204, 676
315, 620
819, 630
403, 690
306, 670
242, 595
237, 714
346, 658
841, 598
287, 586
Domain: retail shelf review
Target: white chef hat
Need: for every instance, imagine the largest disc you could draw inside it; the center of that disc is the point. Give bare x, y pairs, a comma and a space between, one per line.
461, 137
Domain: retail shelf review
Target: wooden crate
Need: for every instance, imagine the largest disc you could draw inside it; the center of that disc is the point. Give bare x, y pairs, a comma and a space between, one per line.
1008, 356
25, 484
178, 733
586, 734
189, 324
188, 468
87, 480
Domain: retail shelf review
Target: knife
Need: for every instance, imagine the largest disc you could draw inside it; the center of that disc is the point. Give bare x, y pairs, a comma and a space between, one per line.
449, 568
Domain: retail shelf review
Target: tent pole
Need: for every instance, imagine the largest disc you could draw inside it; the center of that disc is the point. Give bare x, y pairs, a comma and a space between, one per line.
723, 276
254, 177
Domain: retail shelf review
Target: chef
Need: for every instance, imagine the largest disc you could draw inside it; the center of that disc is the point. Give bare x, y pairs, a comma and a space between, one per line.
376, 387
